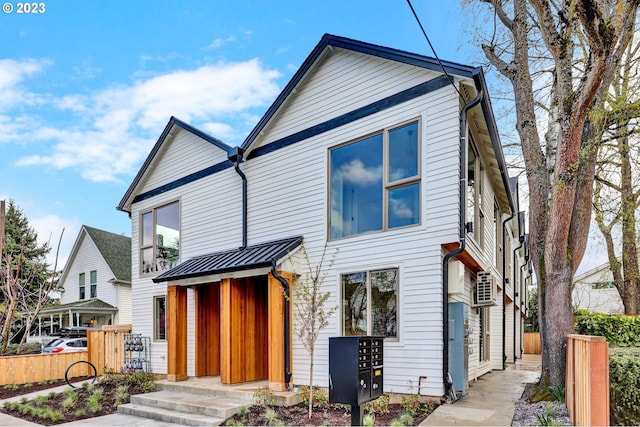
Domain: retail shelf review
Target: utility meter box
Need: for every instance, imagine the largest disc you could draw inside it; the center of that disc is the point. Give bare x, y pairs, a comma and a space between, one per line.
355, 369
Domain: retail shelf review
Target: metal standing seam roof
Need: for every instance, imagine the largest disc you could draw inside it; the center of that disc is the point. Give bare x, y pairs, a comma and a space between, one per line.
256, 256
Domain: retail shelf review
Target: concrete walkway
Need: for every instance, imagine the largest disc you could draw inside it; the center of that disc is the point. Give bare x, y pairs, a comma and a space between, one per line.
492, 399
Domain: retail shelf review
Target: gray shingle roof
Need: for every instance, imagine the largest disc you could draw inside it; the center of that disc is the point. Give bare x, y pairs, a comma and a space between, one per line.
116, 250
256, 256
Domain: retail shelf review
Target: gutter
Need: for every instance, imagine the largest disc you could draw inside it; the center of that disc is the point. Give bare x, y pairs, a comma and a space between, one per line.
504, 290
287, 324
462, 235
235, 156
521, 238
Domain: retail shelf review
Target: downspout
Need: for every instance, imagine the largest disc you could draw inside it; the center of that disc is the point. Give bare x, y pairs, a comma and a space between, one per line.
235, 156
504, 290
521, 238
287, 323
462, 233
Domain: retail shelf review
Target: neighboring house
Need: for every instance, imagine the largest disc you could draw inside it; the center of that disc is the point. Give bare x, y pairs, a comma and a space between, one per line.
361, 153
95, 283
594, 290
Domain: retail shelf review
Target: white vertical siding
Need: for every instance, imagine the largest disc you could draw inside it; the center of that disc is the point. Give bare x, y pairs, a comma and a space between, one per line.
124, 304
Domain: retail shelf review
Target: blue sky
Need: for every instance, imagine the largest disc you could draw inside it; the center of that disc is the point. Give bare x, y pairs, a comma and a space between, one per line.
87, 87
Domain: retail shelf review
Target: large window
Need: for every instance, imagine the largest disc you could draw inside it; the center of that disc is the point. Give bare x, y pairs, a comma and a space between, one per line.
375, 182
160, 318
370, 302
160, 238
81, 286
93, 278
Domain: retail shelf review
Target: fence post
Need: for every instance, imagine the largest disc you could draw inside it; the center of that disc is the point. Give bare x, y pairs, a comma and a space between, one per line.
587, 380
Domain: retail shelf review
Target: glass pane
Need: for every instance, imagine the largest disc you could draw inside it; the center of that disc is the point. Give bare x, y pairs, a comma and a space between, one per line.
81, 292
94, 291
404, 205
384, 302
160, 312
167, 236
403, 152
471, 184
356, 188
93, 276
81, 279
354, 304
147, 229
146, 256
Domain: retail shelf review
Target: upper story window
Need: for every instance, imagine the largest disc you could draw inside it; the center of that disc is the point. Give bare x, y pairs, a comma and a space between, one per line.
93, 279
475, 191
375, 182
81, 284
160, 238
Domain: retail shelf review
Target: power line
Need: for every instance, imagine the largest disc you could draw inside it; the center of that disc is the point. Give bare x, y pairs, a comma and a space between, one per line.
433, 50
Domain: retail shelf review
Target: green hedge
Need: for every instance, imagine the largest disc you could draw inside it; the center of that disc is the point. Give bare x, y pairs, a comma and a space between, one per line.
624, 386
618, 329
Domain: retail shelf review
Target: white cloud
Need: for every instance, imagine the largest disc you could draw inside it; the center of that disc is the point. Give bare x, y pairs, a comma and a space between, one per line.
357, 173
12, 73
114, 128
219, 42
49, 229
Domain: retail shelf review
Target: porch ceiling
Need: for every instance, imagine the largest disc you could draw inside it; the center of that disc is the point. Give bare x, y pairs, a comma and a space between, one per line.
251, 257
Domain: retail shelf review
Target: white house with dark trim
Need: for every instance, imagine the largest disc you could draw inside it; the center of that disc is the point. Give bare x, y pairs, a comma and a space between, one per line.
379, 155
95, 284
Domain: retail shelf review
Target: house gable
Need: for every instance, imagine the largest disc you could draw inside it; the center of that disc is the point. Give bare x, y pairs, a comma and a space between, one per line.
181, 154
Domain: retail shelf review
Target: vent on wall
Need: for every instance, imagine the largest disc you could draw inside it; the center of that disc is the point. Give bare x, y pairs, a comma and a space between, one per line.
486, 290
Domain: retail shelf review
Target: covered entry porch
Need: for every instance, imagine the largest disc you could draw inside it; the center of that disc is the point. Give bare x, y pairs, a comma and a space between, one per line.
242, 315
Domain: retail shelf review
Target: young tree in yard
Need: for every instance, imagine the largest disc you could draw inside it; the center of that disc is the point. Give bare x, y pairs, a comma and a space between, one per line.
311, 314
23, 270
536, 42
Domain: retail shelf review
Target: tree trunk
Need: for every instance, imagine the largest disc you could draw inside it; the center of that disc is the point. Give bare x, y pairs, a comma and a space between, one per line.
311, 384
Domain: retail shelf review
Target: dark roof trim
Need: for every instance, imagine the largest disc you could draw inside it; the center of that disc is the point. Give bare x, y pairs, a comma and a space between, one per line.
251, 257
184, 180
357, 46
172, 121
383, 104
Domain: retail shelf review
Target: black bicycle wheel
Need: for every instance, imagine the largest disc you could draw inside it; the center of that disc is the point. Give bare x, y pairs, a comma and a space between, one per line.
66, 373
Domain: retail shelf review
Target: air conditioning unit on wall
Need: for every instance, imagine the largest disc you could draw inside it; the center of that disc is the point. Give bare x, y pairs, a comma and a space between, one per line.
486, 291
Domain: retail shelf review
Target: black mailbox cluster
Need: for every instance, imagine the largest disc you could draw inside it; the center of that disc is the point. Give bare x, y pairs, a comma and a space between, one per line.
355, 369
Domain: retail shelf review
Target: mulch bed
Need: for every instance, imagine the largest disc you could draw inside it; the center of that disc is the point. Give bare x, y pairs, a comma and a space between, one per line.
18, 390
56, 403
298, 415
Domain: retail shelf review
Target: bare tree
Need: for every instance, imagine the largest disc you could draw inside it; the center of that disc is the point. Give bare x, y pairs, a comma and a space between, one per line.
617, 189
560, 157
311, 313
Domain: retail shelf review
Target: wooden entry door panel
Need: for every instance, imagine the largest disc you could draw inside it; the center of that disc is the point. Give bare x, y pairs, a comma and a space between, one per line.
244, 330
207, 302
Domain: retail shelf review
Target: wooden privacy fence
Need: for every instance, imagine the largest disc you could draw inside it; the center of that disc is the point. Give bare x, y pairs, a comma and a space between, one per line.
33, 368
587, 387
105, 350
106, 347
532, 343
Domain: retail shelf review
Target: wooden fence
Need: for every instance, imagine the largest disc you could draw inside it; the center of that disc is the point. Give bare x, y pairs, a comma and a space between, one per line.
33, 368
532, 343
587, 386
106, 348
105, 351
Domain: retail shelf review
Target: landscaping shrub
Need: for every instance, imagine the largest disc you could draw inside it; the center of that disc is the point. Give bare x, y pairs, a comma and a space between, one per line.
618, 329
624, 386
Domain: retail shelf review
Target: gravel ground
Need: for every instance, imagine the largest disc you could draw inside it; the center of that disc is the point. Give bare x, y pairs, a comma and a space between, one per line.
540, 413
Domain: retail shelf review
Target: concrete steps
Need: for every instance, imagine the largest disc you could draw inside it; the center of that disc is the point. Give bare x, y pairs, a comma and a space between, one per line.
185, 407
